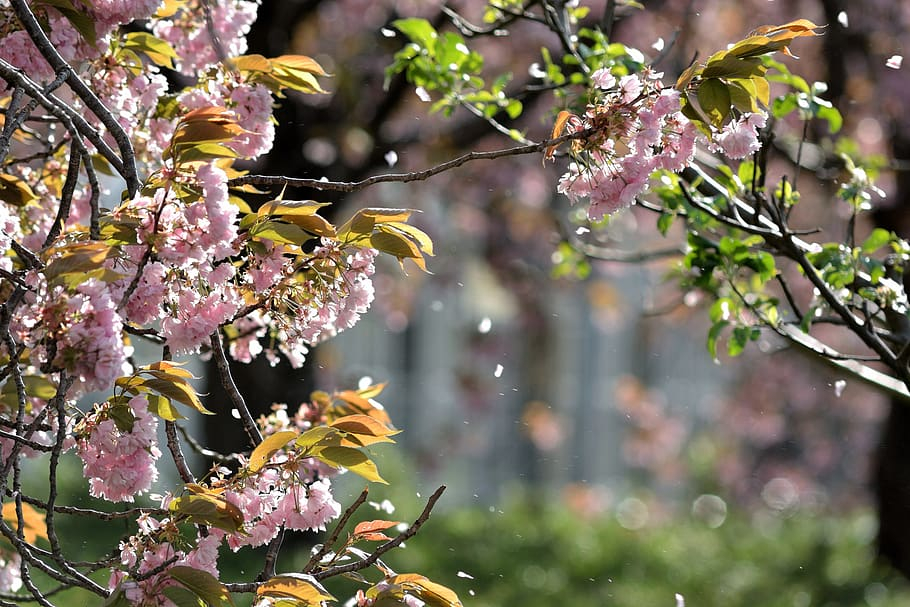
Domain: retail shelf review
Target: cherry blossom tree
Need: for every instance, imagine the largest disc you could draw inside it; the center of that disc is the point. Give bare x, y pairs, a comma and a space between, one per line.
129, 213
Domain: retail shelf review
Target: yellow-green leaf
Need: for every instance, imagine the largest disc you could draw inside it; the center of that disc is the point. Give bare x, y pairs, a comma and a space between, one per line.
208, 509
433, 594
159, 51
297, 586
714, 100
352, 459
163, 407
14, 191
269, 446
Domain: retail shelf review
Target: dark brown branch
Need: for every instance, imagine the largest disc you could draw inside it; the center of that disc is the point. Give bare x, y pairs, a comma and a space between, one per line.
230, 388
81, 89
173, 445
353, 186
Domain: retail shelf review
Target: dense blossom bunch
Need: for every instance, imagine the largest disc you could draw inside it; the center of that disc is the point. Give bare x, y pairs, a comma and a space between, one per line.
77, 329
187, 31
151, 553
120, 465
336, 291
179, 261
636, 128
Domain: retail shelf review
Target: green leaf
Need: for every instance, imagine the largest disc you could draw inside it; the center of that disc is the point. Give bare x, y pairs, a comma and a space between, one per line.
876, 240
78, 18
177, 389
713, 335
203, 584
157, 50
733, 67
280, 232
714, 100
832, 116
420, 31
316, 435
208, 509
181, 597
163, 407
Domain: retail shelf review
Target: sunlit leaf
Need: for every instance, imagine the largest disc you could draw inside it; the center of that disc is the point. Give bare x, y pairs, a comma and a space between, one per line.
433, 594
714, 100
269, 446
33, 521
208, 509
14, 191
371, 530
352, 459
297, 586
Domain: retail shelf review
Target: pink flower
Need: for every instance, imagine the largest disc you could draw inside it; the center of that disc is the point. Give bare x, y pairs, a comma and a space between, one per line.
630, 88
120, 465
309, 508
740, 137
603, 79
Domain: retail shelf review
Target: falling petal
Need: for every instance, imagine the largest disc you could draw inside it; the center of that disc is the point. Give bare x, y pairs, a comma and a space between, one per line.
391, 157
423, 94
485, 325
894, 62
658, 45
842, 19
498, 371
839, 386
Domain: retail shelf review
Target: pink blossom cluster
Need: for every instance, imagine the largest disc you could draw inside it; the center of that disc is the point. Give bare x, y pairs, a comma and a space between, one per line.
189, 289
108, 14
119, 465
335, 295
152, 548
739, 138
18, 49
132, 100
9, 229
272, 499
187, 30
78, 330
304, 309
638, 128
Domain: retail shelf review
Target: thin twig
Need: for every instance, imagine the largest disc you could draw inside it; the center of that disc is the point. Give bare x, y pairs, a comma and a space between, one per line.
383, 548
353, 186
342, 522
